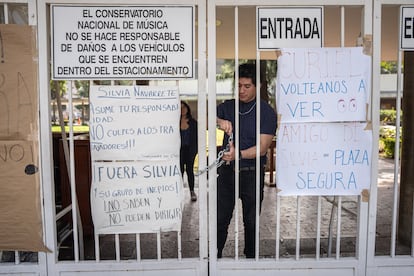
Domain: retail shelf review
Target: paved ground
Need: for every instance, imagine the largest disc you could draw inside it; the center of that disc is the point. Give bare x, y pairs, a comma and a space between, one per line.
288, 211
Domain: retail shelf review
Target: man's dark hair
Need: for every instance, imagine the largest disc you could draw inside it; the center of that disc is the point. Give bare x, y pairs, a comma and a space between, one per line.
248, 70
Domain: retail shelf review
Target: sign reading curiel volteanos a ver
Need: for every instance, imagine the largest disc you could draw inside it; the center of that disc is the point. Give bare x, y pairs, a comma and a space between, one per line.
134, 42
324, 141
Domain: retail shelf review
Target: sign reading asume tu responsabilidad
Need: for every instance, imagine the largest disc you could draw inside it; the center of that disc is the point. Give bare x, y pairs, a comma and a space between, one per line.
135, 144
134, 122
134, 42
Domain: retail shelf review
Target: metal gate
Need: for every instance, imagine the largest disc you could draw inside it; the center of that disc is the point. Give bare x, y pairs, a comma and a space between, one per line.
320, 235
303, 238
147, 254
312, 235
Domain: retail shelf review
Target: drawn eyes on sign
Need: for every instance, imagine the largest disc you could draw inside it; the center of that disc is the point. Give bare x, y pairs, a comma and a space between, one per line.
351, 106
341, 105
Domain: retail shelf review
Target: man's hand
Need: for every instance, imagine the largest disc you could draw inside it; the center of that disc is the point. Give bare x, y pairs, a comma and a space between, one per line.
231, 154
225, 125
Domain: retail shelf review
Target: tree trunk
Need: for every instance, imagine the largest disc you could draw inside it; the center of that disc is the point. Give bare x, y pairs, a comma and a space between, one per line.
407, 153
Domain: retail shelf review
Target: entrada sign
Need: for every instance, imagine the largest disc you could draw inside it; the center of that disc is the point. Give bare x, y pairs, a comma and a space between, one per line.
407, 28
289, 27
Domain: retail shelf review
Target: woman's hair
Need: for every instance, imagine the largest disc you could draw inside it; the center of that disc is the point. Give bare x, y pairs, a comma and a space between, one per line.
188, 115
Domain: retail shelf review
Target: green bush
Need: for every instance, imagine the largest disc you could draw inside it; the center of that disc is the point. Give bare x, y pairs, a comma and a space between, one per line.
388, 116
389, 147
387, 132
387, 141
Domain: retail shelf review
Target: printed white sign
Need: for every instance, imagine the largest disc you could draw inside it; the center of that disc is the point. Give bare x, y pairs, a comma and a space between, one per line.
407, 28
134, 122
279, 27
323, 158
136, 197
323, 84
122, 42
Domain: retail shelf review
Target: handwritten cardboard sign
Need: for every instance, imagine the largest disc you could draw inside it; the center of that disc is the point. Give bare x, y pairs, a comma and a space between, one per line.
323, 158
323, 84
20, 209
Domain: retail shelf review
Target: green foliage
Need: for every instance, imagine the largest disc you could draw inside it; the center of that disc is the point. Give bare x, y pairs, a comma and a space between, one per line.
83, 88
61, 87
227, 71
389, 147
389, 67
387, 133
389, 116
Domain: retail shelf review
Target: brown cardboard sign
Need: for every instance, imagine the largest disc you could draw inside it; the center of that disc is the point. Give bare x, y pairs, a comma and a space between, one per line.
20, 208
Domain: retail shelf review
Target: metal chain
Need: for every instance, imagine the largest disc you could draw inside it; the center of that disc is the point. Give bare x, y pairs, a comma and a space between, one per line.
219, 161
